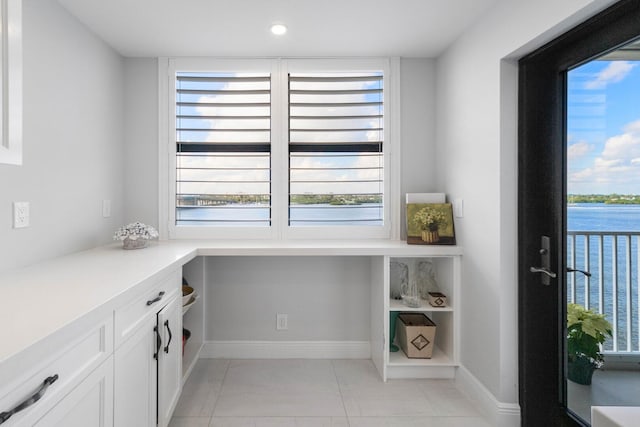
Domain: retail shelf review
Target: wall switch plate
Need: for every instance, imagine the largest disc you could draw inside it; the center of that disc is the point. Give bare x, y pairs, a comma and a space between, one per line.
458, 208
106, 208
20, 214
282, 322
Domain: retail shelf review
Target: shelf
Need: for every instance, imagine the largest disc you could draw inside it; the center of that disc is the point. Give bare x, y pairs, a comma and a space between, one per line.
192, 301
438, 358
397, 305
190, 356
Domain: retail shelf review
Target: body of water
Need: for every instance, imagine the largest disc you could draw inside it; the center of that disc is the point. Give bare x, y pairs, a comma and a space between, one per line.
600, 217
300, 215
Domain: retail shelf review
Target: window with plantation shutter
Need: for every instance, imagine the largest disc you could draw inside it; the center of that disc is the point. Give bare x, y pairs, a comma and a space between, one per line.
223, 146
274, 149
336, 161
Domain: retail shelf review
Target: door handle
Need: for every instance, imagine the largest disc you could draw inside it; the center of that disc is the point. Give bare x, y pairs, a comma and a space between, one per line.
158, 343
575, 270
544, 271
166, 348
545, 262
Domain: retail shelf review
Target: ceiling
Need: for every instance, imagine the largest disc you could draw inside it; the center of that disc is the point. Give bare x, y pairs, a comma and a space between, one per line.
409, 28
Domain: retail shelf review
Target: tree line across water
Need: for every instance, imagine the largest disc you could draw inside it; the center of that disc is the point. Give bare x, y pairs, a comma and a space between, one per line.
611, 199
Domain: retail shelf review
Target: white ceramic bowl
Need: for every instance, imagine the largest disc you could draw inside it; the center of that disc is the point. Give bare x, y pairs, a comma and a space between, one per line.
187, 293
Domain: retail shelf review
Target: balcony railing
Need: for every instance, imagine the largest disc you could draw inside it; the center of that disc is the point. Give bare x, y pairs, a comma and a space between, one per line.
613, 260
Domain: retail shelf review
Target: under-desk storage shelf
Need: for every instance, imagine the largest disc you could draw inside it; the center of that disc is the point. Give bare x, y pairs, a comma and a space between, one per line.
439, 271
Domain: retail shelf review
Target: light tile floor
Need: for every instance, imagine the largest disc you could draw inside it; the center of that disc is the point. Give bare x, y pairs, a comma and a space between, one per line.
316, 393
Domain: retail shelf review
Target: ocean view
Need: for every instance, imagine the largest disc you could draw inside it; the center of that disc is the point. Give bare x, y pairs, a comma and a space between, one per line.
607, 218
257, 215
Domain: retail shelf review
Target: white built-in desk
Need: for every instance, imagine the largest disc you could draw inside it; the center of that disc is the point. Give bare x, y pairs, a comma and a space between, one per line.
43, 304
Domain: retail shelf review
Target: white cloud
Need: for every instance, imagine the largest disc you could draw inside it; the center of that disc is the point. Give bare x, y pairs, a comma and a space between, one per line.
625, 146
613, 73
579, 149
617, 167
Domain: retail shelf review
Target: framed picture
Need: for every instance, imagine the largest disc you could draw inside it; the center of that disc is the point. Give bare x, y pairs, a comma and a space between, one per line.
430, 224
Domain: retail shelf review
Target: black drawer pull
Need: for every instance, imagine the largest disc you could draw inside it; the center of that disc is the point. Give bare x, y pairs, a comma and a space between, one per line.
4, 416
156, 299
166, 324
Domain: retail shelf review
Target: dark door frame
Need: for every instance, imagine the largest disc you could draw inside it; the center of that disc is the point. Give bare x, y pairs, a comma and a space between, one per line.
542, 205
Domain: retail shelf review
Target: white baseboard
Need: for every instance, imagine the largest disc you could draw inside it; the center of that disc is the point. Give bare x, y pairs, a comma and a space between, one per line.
286, 350
500, 414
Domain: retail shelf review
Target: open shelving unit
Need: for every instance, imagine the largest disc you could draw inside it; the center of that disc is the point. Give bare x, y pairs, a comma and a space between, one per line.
446, 262
193, 315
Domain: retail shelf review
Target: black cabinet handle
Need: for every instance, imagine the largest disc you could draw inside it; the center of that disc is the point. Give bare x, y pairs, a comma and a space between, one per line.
166, 324
158, 342
156, 299
4, 416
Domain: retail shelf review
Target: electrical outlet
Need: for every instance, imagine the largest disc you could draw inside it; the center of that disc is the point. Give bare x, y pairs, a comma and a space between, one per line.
282, 322
20, 214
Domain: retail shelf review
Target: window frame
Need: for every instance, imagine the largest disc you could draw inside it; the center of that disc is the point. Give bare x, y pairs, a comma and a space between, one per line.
280, 68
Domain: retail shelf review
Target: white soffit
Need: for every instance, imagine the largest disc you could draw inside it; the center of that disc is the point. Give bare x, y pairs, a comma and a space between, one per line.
409, 28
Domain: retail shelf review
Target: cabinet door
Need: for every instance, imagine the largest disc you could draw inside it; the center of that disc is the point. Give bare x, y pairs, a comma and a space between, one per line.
169, 360
90, 404
135, 378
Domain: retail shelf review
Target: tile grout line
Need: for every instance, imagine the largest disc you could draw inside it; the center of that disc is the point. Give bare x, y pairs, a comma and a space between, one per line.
224, 378
344, 407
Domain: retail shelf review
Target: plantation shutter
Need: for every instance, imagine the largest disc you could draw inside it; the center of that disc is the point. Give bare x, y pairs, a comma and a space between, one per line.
223, 145
336, 134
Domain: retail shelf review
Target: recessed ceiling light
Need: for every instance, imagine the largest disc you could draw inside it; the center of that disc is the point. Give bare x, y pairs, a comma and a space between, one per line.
278, 29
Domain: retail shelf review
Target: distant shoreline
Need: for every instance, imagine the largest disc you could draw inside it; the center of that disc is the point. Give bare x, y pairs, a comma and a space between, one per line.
610, 199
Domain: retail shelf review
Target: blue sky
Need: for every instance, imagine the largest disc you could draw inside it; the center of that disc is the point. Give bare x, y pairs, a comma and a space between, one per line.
603, 128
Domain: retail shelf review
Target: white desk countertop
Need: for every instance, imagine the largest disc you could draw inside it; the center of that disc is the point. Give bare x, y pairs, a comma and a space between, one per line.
615, 416
41, 299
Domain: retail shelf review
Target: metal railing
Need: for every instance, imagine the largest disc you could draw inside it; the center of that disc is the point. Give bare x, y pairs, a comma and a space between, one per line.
613, 260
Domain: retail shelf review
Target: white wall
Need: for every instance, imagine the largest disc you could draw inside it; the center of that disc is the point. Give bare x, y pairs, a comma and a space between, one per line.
326, 298
73, 140
476, 151
141, 140
418, 127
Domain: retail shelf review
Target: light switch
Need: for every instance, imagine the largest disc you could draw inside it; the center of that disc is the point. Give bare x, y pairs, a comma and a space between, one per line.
106, 208
458, 208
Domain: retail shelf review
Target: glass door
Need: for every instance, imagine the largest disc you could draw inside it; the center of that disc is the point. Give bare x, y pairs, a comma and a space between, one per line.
603, 232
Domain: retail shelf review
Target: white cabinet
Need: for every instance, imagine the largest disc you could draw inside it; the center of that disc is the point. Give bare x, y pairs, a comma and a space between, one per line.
446, 264
169, 360
148, 363
90, 404
136, 378
47, 393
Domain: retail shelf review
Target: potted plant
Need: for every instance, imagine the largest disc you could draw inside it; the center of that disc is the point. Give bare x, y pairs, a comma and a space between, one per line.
586, 332
135, 235
428, 220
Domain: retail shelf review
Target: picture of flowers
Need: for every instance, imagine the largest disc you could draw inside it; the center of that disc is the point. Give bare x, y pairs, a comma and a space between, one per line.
430, 224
